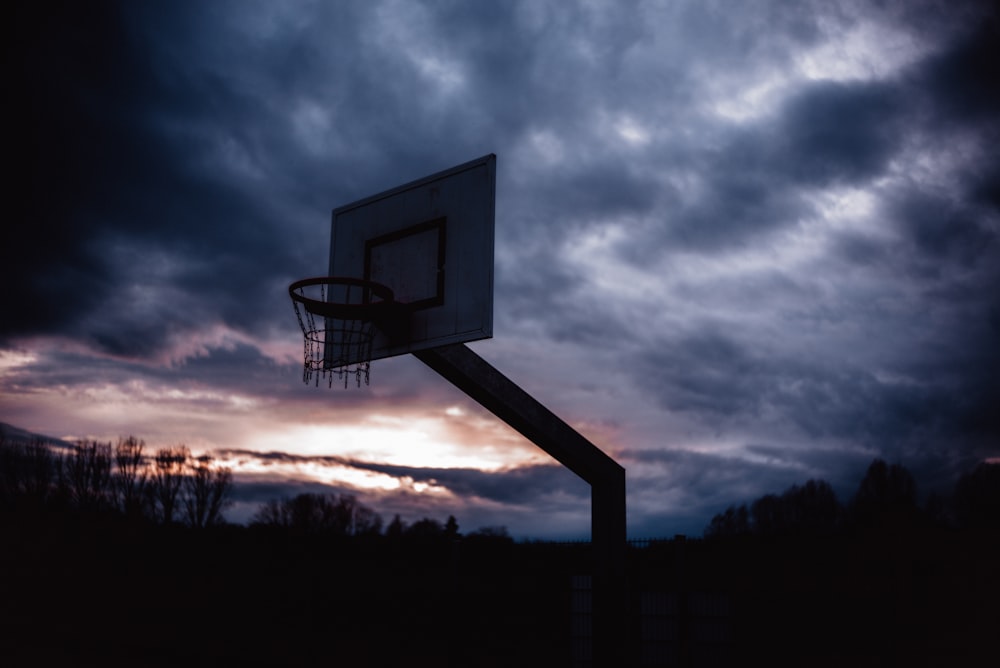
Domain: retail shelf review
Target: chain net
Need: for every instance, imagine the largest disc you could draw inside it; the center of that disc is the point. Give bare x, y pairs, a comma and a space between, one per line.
336, 347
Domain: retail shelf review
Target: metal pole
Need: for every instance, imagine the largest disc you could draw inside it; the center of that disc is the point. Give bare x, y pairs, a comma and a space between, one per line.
501, 396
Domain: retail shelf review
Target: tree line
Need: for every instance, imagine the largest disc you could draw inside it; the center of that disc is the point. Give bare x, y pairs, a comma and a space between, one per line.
343, 516
169, 486
886, 495
173, 486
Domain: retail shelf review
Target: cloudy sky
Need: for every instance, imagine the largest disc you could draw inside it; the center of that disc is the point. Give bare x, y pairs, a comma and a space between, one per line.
739, 245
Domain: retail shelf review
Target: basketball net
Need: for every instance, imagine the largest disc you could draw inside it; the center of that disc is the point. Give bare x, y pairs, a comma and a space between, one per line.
330, 343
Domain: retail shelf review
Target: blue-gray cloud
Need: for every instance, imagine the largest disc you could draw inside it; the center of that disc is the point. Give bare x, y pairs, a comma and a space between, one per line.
803, 261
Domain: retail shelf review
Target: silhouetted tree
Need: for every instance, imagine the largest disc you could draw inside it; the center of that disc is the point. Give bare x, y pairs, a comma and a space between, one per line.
491, 542
29, 473
451, 527
497, 533
131, 475
271, 513
936, 510
767, 514
425, 528
808, 509
87, 475
396, 528
734, 521
812, 508
10, 467
165, 481
977, 497
316, 514
367, 522
344, 508
320, 514
205, 492
886, 493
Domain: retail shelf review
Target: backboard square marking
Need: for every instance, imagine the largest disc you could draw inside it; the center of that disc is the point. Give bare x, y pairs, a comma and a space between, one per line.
411, 262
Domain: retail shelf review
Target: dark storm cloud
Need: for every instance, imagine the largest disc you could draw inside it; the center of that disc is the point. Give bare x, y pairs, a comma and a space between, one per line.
758, 181
139, 130
943, 231
827, 134
833, 133
58, 158
956, 100
935, 403
133, 142
712, 478
960, 80
111, 199
724, 382
180, 162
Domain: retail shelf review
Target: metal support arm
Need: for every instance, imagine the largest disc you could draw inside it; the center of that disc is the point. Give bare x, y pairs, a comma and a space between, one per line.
501, 396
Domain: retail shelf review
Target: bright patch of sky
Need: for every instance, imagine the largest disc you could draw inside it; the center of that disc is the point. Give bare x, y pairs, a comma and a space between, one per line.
863, 52
413, 441
633, 132
411, 31
311, 125
12, 359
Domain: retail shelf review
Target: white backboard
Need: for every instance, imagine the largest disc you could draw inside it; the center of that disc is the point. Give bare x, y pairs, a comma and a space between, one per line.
431, 242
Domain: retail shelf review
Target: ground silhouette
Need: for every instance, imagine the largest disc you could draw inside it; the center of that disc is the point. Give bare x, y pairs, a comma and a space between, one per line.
317, 580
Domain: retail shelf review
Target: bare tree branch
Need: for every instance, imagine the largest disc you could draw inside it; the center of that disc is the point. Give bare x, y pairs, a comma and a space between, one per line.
88, 475
206, 492
131, 476
166, 479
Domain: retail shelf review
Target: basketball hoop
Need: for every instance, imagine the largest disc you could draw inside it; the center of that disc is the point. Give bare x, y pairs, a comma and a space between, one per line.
338, 318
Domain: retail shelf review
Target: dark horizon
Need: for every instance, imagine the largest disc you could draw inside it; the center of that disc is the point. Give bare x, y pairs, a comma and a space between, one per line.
317, 578
808, 508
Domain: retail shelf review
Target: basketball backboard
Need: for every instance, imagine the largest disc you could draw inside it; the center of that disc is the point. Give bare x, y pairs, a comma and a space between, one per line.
431, 242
